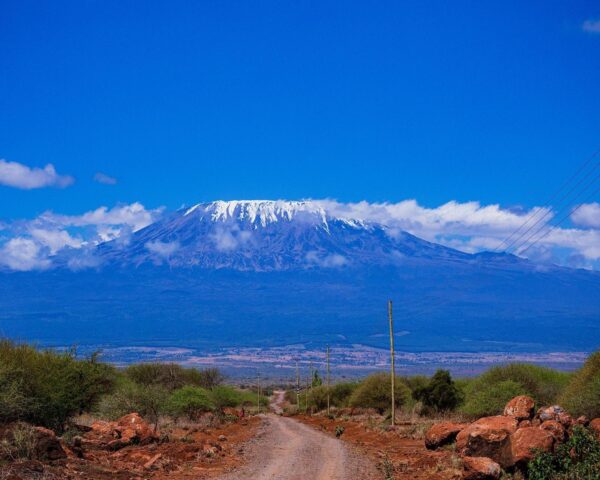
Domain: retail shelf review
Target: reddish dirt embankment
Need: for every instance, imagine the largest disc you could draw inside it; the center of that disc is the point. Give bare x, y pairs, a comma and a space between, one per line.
395, 454
183, 453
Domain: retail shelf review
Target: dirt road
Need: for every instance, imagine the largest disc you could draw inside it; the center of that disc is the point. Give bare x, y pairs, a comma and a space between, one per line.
285, 449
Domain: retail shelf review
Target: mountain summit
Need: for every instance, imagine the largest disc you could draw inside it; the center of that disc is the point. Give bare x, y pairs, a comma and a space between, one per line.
276, 273
263, 235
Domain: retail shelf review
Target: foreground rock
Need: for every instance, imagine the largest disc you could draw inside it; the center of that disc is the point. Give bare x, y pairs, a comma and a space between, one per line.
521, 408
42, 443
595, 427
480, 468
442, 434
509, 441
128, 430
488, 437
47, 445
525, 442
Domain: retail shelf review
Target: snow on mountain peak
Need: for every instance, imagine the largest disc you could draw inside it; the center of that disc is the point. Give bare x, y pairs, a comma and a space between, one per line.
261, 212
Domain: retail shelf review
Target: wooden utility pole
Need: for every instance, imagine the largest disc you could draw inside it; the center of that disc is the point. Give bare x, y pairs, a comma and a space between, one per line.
328, 385
393, 362
312, 380
258, 392
306, 396
297, 386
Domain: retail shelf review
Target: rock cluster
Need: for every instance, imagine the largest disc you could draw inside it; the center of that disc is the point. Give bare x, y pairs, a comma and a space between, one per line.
508, 441
128, 430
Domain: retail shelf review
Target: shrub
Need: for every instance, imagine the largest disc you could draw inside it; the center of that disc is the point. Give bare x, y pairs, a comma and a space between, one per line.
375, 392
582, 395
225, 396
498, 384
440, 393
341, 393
47, 387
150, 401
18, 443
190, 401
577, 459
173, 376
487, 399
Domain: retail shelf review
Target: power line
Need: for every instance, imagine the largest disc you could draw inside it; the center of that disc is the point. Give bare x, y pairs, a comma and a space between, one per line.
588, 185
552, 227
547, 206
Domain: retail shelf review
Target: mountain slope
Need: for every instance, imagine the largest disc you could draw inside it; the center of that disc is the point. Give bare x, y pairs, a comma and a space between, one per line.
267, 273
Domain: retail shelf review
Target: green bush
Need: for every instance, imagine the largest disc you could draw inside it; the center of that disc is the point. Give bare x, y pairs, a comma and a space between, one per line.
488, 393
582, 395
375, 392
226, 396
150, 401
577, 459
173, 376
190, 401
487, 399
440, 393
47, 387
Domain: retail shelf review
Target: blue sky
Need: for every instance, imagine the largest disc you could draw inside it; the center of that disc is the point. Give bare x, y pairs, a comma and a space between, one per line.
182, 102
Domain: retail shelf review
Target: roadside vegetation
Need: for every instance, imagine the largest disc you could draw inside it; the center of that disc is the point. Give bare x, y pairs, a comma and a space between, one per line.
48, 388
56, 389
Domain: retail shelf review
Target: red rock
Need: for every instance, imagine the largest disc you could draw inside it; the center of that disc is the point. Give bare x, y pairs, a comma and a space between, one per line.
234, 412
103, 428
594, 426
583, 420
521, 407
134, 428
565, 419
526, 441
150, 463
47, 445
442, 434
550, 413
480, 468
555, 428
488, 437
130, 429
525, 424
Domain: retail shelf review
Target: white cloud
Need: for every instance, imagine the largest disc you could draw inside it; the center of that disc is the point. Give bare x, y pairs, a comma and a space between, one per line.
23, 254
332, 260
135, 215
162, 249
587, 215
591, 26
14, 174
55, 240
229, 237
105, 179
472, 227
35, 241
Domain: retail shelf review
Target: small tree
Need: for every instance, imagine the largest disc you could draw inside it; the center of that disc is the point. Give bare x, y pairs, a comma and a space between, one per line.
316, 380
375, 392
190, 401
440, 394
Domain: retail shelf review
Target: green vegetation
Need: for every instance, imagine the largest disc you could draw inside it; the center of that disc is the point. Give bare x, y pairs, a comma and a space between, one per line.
582, 395
47, 387
488, 394
375, 392
190, 401
577, 459
440, 394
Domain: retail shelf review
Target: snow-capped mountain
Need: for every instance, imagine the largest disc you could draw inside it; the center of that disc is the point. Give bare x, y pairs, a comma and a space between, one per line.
263, 235
275, 272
